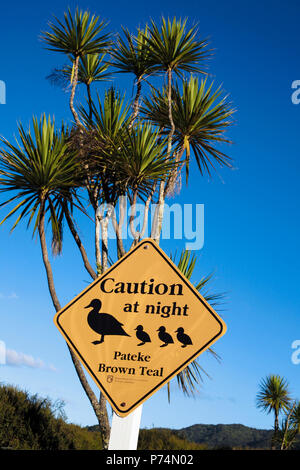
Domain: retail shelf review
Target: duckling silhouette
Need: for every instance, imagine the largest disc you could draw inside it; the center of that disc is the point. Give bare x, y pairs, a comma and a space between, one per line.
165, 337
103, 323
183, 337
142, 335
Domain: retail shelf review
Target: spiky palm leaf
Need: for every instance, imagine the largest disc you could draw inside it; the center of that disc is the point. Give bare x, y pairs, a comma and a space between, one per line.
105, 123
186, 264
37, 170
273, 397
295, 417
131, 54
91, 68
189, 379
125, 159
289, 428
66, 202
273, 394
109, 118
139, 158
78, 35
174, 47
201, 117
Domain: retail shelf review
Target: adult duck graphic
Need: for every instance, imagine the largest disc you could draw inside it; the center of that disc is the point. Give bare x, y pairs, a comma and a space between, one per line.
103, 323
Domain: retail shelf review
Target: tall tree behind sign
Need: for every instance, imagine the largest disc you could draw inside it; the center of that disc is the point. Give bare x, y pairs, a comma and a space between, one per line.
115, 149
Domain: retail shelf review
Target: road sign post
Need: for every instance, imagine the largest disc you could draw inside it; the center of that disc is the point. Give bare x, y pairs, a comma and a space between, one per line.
124, 432
137, 326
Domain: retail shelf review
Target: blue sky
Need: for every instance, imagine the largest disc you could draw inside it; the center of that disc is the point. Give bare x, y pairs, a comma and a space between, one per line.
251, 213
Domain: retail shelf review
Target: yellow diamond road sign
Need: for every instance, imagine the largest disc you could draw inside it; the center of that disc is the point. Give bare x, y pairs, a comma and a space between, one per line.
138, 325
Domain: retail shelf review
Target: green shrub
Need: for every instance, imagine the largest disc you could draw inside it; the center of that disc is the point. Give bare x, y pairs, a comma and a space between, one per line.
31, 422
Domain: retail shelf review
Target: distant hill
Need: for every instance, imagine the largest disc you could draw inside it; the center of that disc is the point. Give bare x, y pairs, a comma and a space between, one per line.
165, 439
160, 439
227, 436
205, 436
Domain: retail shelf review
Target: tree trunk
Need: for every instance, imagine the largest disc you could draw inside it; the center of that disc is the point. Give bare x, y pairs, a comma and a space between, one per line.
47, 264
103, 221
88, 87
276, 423
131, 218
97, 244
74, 84
175, 174
172, 130
285, 444
77, 239
136, 105
119, 225
105, 426
98, 409
159, 214
276, 427
104, 242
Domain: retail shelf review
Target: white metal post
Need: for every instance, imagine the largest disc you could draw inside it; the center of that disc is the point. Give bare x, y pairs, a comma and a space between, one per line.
124, 432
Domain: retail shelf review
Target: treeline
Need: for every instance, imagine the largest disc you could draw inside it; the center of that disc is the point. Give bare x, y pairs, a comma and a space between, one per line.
33, 423
29, 422
165, 439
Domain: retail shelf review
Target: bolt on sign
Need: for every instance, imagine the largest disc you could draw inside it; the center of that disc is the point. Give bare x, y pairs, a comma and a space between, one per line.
138, 325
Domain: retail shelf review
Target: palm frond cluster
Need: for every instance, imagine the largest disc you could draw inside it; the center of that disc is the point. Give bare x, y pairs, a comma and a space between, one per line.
274, 397
199, 113
40, 167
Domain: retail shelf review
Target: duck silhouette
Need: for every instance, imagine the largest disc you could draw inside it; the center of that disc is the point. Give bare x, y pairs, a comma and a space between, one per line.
142, 335
103, 323
183, 337
165, 337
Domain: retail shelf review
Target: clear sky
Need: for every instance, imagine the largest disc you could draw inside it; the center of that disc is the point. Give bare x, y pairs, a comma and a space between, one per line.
251, 213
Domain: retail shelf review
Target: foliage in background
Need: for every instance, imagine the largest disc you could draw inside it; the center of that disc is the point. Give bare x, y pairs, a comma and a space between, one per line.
35, 423
165, 439
274, 397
